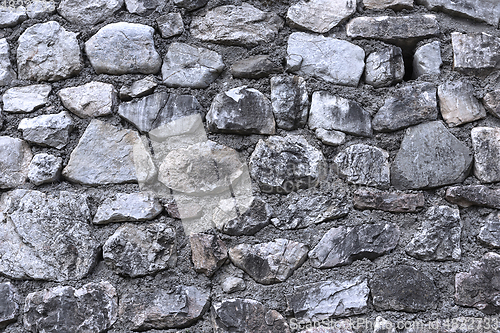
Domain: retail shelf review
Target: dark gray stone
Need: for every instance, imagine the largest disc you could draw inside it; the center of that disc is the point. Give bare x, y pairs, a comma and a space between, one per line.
395, 202
50, 130
474, 195
481, 10
44, 168
88, 12
15, 158
491, 102
255, 67
208, 253
458, 104
290, 101
490, 232
170, 25
123, 207
385, 67
486, 144
9, 309
427, 60
190, 4
256, 217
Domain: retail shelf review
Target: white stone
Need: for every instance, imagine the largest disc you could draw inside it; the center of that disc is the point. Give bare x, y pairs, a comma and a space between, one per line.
15, 157
131, 207
458, 104
90, 100
88, 12
331, 138
26, 99
10, 17
38, 8
7, 74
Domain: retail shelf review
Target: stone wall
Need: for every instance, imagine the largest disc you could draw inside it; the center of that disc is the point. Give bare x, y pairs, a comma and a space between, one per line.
259, 166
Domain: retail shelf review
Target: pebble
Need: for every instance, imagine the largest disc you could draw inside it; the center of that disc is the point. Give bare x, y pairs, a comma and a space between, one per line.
44, 168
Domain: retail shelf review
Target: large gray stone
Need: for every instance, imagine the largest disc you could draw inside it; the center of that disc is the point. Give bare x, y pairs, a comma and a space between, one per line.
491, 102
391, 4
9, 309
208, 253
50, 130
144, 7
481, 10
7, 74
479, 195
475, 53
486, 144
325, 58
15, 158
255, 67
242, 25
88, 12
44, 168
427, 60
395, 202
26, 99
170, 25
47, 52
320, 15
123, 207
123, 48
10, 17
46, 237
190, 4
290, 101
90, 100
490, 232
458, 104
430, 156
385, 67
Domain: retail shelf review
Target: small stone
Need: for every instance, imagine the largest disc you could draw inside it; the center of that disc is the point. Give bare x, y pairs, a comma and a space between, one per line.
320, 15
458, 104
290, 101
403, 288
293, 62
475, 53
341, 246
478, 288
478, 195
50, 130
26, 99
430, 156
325, 58
394, 202
39, 8
255, 67
140, 249
233, 284
269, 263
338, 326
481, 10
143, 7
208, 253
382, 325
15, 157
190, 66
90, 100
385, 67
486, 144
44, 168
241, 110
323, 300
190, 5
7, 74
170, 25
47, 52
257, 216
408, 106
490, 232
93, 308
88, 12
242, 25
491, 102
131, 207
123, 48
295, 164
388, 4
427, 60
331, 138
9, 309
139, 88
10, 17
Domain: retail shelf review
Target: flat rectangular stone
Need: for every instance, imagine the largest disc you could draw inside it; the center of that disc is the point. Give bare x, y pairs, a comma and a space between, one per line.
475, 53
396, 202
474, 195
391, 4
481, 10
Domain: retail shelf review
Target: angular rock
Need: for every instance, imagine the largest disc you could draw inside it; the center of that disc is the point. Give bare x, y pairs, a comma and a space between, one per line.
47, 52
125, 207
325, 58
475, 53
331, 138
478, 195
15, 157
491, 102
323, 300
9, 309
332, 112
385, 67
430, 156
242, 25
88, 12
408, 106
458, 104
486, 144
241, 110
257, 216
403, 288
395, 202
50, 130
140, 249
481, 10
478, 287
233, 284
138, 88
93, 308
208, 253
427, 60
190, 5
319, 15
7, 74
143, 7
269, 263
26, 99
390, 4
363, 165
255, 67
170, 25
46, 237
10, 17
90, 100
341, 246
295, 164
44, 168
290, 101
438, 238
490, 232
39, 8
123, 48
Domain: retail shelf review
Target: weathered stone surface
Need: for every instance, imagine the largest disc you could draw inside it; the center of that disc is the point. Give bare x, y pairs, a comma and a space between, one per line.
482, 10
7, 74
170, 25
246, 315
9, 309
47, 52
339, 326
125, 207
475, 53
15, 157
479, 195
241, 110
10, 17
295, 164
93, 308
90, 100
160, 309
325, 58
143, 7
430, 156
403, 288
319, 15
331, 138
323, 300
257, 216
395, 202
486, 144
391, 4
26, 99
39, 8
123, 48
45, 237
208, 253
44, 168
190, 66
490, 232
88, 12
47, 130
363, 165
233, 284
254, 67
478, 287
140, 249
382, 325
458, 104
269, 263
242, 25
190, 4
438, 238
385, 67
290, 101
427, 60
408, 106
138, 88
341, 246
491, 102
